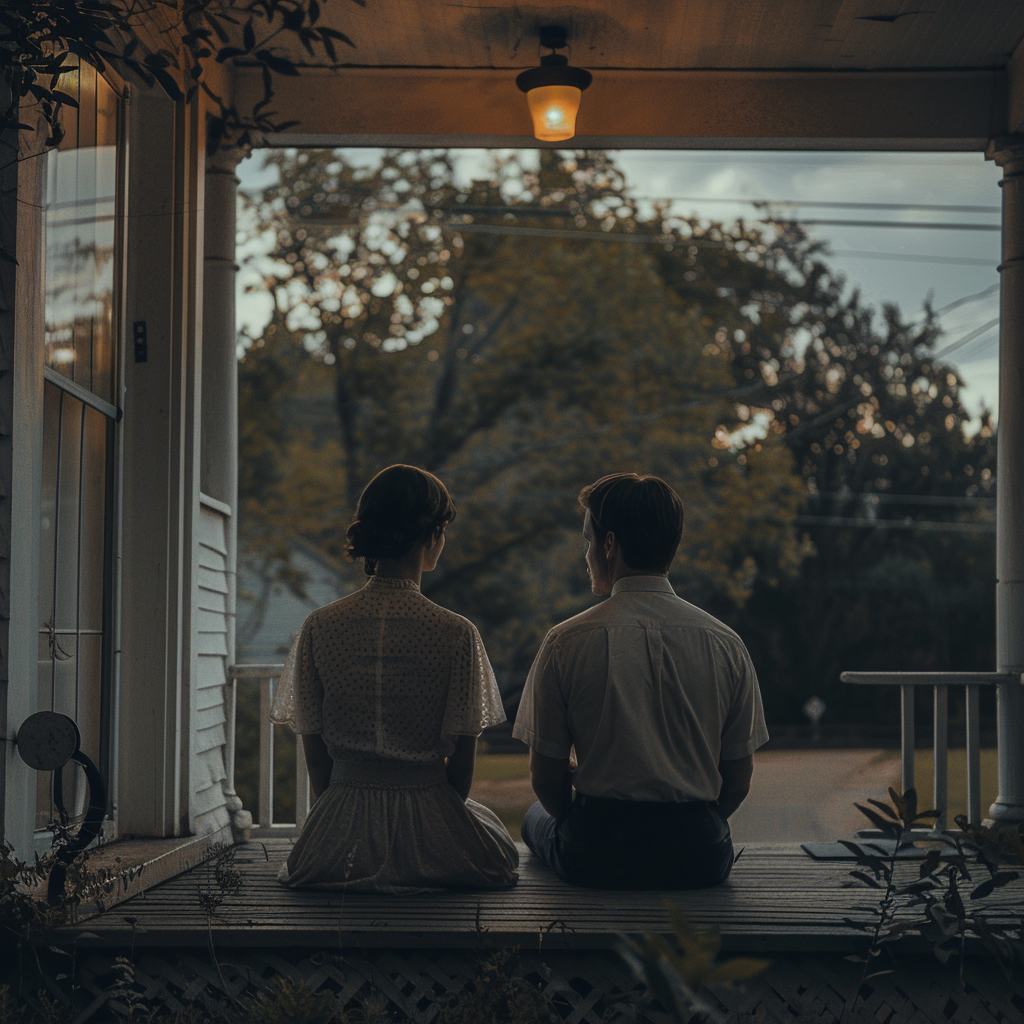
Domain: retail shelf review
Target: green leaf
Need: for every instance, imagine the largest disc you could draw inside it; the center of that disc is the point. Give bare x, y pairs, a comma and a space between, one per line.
167, 83
882, 824
984, 889
884, 808
899, 802
278, 64
738, 969
64, 98
866, 879
931, 861
335, 34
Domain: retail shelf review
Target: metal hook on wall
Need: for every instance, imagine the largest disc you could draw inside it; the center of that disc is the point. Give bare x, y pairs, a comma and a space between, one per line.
46, 742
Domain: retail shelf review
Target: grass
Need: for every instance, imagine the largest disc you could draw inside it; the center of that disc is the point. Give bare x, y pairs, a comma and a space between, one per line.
957, 781
502, 767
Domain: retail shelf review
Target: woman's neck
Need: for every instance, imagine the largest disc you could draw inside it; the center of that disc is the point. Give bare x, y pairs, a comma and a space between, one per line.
407, 568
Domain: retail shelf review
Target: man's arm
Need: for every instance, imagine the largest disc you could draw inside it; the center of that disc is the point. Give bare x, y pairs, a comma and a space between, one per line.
736, 776
552, 782
459, 767
318, 763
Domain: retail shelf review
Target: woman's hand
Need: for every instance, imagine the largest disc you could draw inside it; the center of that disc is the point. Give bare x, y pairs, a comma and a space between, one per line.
459, 766
318, 763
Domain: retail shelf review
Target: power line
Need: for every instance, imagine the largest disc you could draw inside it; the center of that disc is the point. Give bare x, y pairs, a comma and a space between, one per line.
926, 224
963, 300
822, 204
970, 336
876, 498
651, 239
959, 261
896, 524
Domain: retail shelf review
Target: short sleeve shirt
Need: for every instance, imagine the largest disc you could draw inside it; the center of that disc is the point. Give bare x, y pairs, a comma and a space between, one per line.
385, 672
652, 692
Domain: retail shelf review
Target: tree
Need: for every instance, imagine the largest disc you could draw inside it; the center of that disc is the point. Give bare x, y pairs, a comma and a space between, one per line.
170, 45
875, 424
477, 331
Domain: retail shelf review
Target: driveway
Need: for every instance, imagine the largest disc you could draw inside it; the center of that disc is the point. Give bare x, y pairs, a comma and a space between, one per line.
808, 795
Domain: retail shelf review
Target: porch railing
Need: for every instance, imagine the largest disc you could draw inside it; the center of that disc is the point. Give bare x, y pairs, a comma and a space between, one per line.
265, 677
940, 683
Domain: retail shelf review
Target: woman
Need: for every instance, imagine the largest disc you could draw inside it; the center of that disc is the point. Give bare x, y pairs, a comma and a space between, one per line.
390, 692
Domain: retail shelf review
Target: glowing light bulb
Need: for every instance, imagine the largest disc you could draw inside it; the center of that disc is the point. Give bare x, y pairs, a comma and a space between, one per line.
553, 109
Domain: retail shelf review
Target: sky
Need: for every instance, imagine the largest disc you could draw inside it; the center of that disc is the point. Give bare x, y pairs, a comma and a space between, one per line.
902, 227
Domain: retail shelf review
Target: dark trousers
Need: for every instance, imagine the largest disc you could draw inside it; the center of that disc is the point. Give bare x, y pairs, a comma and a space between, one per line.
630, 844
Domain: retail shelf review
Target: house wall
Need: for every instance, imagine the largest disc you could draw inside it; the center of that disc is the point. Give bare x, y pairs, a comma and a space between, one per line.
21, 417
208, 811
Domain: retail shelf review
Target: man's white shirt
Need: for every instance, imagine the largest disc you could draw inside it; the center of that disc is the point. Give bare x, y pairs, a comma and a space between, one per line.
651, 690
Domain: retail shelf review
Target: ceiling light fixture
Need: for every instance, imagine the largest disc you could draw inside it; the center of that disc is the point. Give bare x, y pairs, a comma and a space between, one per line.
554, 90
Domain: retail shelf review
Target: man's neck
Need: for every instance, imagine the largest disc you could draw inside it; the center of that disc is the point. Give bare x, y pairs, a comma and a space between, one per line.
621, 571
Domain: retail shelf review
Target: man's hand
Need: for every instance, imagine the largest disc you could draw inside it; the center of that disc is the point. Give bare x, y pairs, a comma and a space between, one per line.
552, 782
736, 776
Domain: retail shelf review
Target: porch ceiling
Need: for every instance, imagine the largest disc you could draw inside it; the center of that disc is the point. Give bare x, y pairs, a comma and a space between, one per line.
654, 35
946, 74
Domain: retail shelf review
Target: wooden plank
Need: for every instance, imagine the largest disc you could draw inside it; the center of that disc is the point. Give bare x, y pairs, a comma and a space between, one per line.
776, 899
211, 643
208, 579
210, 622
208, 768
211, 672
212, 600
207, 739
210, 696
208, 799
212, 557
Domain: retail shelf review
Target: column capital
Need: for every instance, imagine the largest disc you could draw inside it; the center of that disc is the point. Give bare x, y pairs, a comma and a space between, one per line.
1005, 149
225, 159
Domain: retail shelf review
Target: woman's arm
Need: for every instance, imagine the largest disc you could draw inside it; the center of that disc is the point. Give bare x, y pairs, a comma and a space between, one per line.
318, 763
459, 766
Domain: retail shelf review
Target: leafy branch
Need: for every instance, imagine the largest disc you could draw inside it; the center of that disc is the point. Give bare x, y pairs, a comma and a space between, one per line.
43, 40
943, 917
676, 970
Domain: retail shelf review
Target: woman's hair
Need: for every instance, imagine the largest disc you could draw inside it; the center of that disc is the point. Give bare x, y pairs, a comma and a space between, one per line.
401, 508
644, 513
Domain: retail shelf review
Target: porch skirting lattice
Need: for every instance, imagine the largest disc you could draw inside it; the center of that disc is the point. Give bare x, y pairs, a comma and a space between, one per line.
577, 987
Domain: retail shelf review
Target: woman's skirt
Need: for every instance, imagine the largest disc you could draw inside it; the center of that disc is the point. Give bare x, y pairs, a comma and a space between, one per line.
392, 826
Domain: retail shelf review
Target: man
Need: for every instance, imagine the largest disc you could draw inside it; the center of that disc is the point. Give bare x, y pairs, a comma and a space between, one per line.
658, 699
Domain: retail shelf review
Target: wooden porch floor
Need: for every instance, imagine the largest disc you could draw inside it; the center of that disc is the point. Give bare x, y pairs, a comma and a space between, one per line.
777, 899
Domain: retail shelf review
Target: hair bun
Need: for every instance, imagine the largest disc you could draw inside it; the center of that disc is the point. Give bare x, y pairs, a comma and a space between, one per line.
401, 507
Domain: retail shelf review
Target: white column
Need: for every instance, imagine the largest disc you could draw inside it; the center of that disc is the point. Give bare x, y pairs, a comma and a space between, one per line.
21, 444
1008, 153
219, 446
160, 464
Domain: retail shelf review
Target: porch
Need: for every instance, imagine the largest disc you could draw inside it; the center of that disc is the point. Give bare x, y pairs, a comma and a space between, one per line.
412, 956
778, 898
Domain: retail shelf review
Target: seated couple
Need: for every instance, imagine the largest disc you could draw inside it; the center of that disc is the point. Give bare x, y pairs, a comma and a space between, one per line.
642, 714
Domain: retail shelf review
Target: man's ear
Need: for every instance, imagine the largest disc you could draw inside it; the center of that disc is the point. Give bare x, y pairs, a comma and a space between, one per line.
609, 544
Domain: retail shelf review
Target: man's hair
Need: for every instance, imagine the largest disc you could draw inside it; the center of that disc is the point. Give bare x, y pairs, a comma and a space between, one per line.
644, 513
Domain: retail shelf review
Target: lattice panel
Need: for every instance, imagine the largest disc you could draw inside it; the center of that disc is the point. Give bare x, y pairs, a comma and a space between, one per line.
584, 987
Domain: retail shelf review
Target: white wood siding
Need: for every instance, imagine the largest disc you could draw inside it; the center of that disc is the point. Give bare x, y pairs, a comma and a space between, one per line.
209, 810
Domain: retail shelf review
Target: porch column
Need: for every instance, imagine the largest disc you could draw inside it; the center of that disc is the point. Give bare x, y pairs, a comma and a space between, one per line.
1008, 153
219, 445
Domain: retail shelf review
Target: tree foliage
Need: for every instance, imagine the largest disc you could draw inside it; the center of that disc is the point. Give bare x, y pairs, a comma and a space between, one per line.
167, 44
523, 333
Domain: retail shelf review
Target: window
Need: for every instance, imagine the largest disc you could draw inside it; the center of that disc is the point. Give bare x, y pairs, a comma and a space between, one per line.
79, 221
